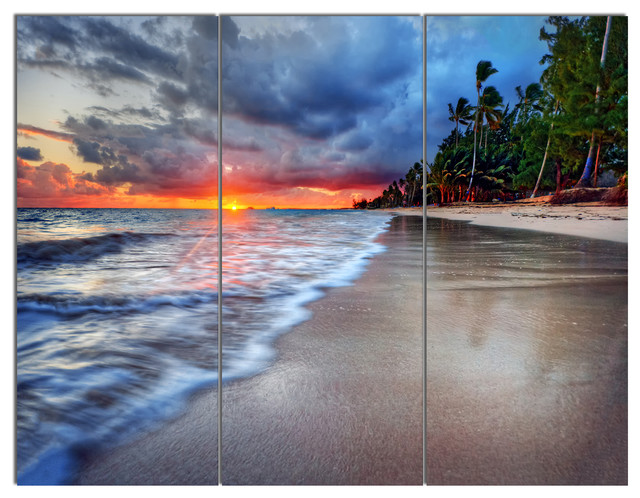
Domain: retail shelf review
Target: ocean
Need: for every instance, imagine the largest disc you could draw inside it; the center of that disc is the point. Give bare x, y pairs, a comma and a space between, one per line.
117, 312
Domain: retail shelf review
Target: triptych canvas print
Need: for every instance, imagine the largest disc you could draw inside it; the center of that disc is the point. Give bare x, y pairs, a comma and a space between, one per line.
244, 254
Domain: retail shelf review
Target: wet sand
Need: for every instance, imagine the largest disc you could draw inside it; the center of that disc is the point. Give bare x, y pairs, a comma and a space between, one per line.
182, 452
587, 219
526, 357
341, 405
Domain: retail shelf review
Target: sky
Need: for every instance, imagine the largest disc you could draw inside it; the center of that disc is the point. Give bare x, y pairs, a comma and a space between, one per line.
319, 110
116, 111
121, 111
455, 45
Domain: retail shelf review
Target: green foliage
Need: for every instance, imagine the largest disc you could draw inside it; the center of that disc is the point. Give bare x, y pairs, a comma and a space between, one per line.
501, 150
573, 75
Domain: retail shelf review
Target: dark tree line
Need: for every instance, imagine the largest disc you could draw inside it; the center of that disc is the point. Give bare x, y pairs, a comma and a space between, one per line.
405, 192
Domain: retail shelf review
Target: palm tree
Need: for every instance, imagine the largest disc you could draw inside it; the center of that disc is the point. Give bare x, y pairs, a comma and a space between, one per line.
413, 178
489, 110
484, 69
530, 97
461, 115
419, 170
546, 150
585, 179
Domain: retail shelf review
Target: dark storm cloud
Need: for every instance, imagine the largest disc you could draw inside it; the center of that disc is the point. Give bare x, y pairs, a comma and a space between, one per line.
125, 112
171, 95
152, 160
206, 26
96, 123
202, 131
116, 175
306, 80
90, 152
105, 67
154, 26
176, 55
354, 142
348, 85
71, 43
48, 31
93, 128
29, 153
230, 32
116, 168
129, 48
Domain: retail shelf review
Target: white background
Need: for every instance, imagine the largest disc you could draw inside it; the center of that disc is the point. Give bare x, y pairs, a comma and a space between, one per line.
429, 7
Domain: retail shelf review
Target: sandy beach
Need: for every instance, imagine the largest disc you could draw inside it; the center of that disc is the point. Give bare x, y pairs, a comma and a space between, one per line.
526, 352
341, 405
588, 219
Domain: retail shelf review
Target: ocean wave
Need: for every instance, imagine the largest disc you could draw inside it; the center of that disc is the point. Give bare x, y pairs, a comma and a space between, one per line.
94, 418
73, 305
105, 347
78, 249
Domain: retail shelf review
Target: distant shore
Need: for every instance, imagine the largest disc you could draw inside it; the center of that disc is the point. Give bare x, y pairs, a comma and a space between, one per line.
586, 219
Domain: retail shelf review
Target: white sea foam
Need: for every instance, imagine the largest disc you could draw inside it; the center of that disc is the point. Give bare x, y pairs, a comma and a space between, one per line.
117, 312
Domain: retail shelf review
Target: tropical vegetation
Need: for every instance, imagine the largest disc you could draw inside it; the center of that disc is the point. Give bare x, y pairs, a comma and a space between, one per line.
406, 191
564, 130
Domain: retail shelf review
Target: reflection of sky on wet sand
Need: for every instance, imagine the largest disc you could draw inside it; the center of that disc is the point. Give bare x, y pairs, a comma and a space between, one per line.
526, 357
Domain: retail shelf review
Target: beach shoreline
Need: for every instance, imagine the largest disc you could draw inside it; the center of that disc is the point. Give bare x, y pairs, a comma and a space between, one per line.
405, 211
342, 403
586, 219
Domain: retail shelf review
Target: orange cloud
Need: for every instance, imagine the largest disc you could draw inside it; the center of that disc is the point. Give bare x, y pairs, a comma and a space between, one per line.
55, 135
52, 181
55, 185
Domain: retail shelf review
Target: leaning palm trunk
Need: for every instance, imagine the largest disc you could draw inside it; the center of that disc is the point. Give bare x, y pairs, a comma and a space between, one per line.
483, 71
473, 165
486, 140
544, 159
595, 173
585, 179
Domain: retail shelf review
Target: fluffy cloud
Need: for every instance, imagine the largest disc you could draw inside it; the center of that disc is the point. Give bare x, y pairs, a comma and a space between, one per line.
156, 128
53, 181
